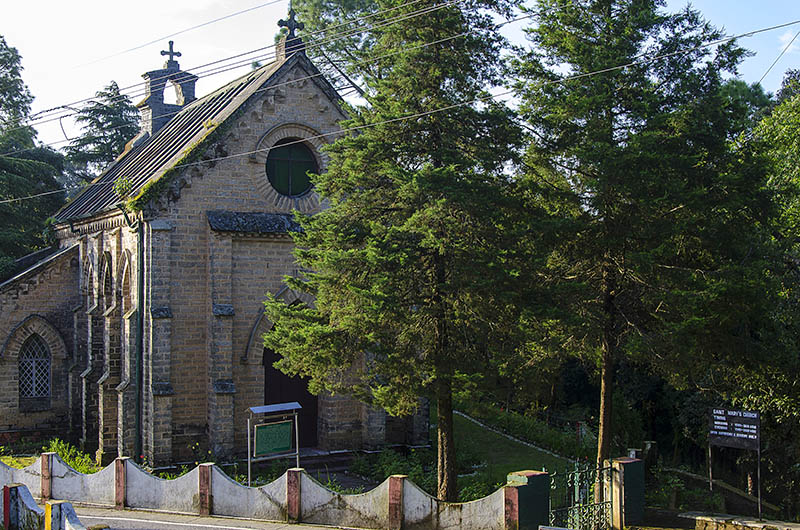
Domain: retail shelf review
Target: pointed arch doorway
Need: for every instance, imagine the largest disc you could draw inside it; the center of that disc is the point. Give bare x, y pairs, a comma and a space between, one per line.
280, 388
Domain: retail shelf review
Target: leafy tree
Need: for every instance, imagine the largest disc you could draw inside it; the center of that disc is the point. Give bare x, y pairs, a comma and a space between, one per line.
664, 256
25, 169
108, 122
15, 98
747, 102
412, 266
774, 390
790, 86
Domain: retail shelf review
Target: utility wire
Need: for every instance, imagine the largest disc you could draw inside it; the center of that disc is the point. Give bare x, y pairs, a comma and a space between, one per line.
271, 87
779, 57
172, 113
198, 26
224, 68
327, 38
442, 109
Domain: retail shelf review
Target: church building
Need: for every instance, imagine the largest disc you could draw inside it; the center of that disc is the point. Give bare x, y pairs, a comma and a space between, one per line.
141, 333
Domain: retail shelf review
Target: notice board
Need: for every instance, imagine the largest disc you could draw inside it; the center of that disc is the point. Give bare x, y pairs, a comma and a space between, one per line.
734, 428
275, 437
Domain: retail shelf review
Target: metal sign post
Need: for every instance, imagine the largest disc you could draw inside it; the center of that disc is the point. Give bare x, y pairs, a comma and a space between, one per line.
272, 439
740, 429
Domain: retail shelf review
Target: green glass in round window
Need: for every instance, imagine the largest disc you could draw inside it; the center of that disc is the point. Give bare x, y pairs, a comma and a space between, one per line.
289, 162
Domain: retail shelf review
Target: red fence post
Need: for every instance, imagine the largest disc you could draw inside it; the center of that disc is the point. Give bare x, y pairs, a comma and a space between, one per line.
396, 512
6, 507
47, 476
204, 486
511, 507
293, 494
120, 490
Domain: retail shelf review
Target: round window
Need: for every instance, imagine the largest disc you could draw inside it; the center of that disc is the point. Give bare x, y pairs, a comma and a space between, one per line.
289, 162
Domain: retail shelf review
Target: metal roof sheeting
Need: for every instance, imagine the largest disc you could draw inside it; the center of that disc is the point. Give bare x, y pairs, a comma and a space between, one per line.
150, 159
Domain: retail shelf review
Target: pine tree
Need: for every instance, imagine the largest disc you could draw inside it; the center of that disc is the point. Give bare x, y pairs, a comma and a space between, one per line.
665, 255
108, 122
411, 266
340, 45
25, 169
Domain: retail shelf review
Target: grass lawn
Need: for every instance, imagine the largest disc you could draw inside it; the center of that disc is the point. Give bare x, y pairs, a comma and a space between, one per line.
18, 461
501, 455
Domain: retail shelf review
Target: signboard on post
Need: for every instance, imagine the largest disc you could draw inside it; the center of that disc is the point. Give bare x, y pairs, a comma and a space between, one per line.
739, 429
270, 438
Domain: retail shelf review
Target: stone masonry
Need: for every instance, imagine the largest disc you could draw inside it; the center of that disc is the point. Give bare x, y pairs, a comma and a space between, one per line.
213, 246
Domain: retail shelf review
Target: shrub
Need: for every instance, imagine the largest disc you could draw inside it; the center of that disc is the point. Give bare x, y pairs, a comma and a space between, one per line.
476, 490
77, 460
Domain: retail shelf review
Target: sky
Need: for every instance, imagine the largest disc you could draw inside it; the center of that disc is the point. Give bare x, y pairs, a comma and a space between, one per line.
70, 50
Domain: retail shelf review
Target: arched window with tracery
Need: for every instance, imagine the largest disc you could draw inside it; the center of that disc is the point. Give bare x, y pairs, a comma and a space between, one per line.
34, 369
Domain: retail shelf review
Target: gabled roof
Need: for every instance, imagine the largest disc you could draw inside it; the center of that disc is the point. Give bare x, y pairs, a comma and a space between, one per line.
148, 161
37, 266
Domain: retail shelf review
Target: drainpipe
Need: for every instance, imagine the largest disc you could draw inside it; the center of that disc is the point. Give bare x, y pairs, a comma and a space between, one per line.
139, 226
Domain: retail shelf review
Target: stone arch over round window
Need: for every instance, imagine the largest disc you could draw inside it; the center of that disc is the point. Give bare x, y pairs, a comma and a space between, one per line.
35, 344
295, 149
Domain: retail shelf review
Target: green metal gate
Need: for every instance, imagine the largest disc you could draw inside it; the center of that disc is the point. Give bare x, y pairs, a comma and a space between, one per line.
574, 501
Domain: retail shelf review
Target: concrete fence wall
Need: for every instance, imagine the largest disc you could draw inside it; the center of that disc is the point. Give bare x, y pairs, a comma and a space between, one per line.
18, 511
397, 503
294, 497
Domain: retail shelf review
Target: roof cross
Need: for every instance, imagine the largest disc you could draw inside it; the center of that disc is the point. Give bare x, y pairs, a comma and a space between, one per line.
172, 54
291, 25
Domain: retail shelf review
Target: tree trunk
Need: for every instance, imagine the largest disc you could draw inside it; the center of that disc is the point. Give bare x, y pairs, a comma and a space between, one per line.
606, 394
446, 461
608, 346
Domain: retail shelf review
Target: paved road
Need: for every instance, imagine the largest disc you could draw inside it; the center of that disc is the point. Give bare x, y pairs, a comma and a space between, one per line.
142, 520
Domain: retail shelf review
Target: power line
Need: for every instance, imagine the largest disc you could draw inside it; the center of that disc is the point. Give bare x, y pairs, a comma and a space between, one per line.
221, 69
271, 87
165, 37
312, 45
779, 57
327, 38
442, 109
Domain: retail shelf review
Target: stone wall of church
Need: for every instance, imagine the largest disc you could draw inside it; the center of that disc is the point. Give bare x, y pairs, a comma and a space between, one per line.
39, 302
218, 280
103, 380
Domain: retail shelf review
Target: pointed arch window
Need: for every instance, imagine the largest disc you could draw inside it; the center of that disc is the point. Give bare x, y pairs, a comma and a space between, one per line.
34, 369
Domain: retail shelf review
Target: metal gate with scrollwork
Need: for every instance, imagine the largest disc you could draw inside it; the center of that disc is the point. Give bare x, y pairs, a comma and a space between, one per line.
580, 497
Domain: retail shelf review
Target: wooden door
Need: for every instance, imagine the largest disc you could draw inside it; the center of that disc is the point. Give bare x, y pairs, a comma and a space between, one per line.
280, 388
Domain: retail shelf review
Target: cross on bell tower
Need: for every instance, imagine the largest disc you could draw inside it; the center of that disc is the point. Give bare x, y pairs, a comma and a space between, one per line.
171, 63
291, 25
293, 42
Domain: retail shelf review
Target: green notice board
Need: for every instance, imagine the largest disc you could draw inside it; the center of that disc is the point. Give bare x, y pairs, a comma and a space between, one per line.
272, 438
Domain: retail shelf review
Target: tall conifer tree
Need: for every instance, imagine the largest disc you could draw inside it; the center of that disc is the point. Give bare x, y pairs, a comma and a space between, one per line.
666, 250
107, 122
25, 169
409, 265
